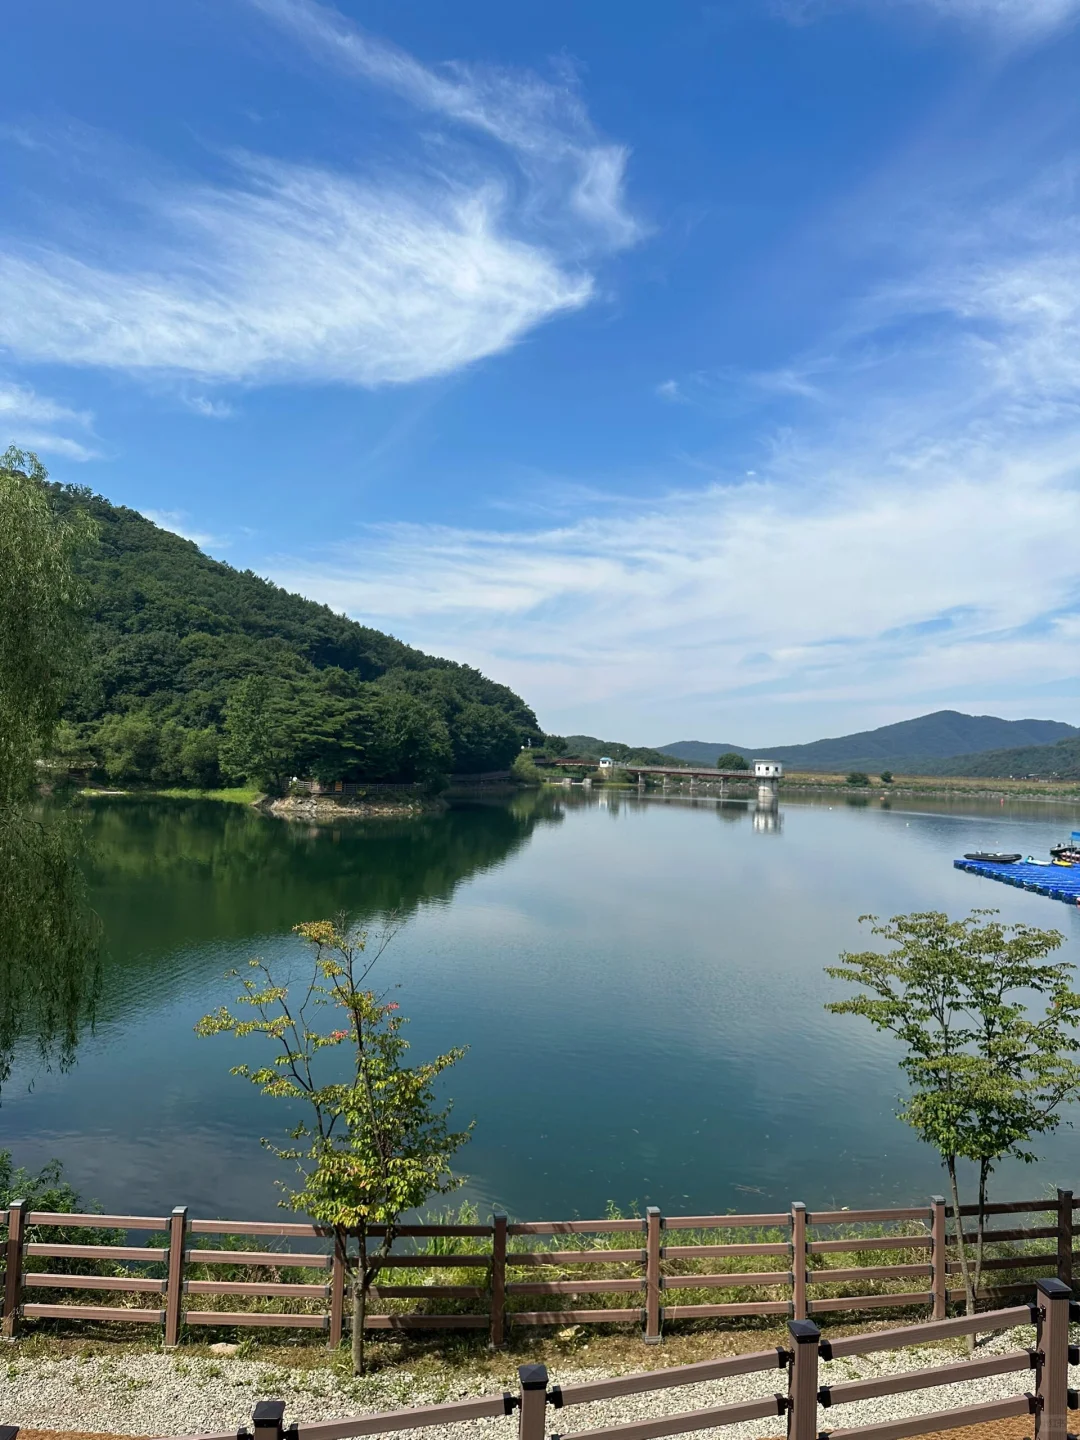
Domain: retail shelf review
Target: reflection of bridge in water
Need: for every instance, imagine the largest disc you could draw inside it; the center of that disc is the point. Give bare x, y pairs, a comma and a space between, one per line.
701, 782
766, 775
702, 786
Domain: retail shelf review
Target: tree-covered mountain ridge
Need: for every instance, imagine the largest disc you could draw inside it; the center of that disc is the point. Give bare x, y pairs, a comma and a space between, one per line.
199, 673
923, 745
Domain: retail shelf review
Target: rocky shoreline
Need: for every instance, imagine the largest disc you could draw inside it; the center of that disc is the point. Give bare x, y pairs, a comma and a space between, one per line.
330, 809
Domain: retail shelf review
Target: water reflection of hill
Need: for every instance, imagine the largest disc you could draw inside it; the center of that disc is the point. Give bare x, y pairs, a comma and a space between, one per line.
168, 874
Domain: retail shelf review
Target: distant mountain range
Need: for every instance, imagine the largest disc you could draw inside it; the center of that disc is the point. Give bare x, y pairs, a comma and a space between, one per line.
944, 743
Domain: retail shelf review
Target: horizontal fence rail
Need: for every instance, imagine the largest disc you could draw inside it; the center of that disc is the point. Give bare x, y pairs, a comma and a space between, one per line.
791, 1391
648, 1271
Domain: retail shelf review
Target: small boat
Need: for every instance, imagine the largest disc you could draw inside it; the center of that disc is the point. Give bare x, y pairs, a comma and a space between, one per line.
1032, 861
992, 857
1064, 862
1068, 849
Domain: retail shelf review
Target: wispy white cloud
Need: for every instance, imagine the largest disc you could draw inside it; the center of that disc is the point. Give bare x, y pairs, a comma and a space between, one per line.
909, 537
1017, 19
35, 422
543, 124
178, 521
302, 271
1021, 15
210, 409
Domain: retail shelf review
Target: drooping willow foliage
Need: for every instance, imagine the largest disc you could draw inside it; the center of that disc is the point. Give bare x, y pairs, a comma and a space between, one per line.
49, 940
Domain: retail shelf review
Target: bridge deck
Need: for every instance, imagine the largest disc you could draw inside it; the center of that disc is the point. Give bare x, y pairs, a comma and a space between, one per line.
689, 773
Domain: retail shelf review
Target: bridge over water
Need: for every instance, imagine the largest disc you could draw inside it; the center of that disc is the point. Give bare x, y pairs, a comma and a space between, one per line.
765, 774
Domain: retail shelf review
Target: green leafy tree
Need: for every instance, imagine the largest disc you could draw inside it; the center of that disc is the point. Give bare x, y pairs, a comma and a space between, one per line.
257, 746
732, 760
375, 1143
525, 770
986, 1077
857, 779
483, 738
410, 740
129, 746
886, 777
42, 640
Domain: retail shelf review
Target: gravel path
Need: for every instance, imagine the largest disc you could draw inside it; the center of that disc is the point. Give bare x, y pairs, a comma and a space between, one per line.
159, 1394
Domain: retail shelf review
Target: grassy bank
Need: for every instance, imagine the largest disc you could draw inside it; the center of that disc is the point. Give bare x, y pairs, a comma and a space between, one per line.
965, 785
237, 795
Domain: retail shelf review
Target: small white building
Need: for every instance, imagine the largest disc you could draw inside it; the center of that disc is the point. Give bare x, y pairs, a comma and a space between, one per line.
606, 763
768, 769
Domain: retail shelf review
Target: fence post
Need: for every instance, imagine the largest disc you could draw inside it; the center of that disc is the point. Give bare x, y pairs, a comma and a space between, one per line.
266, 1419
532, 1405
498, 1281
798, 1260
1064, 1237
174, 1284
802, 1380
14, 1265
1052, 1343
653, 1227
939, 1256
337, 1291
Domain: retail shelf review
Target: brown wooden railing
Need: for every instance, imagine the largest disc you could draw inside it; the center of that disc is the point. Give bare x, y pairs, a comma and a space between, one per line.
798, 1406
513, 1265
358, 787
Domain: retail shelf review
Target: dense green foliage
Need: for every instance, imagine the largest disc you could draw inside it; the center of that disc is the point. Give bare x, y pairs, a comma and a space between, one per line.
732, 760
41, 637
201, 673
1043, 762
590, 748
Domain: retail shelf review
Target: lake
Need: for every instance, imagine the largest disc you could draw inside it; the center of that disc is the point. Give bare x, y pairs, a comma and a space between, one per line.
640, 984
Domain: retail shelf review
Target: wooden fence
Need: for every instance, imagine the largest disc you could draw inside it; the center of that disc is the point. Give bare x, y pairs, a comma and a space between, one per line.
797, 1407
358, 787
797, 1245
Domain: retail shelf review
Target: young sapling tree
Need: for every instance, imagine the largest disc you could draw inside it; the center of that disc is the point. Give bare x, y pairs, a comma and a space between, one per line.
985, 1076
373, 1141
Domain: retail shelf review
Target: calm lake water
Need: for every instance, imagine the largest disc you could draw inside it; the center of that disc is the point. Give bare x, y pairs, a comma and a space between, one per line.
640, 984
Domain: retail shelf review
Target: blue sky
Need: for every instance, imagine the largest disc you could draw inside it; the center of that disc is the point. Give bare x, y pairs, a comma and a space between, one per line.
701, 370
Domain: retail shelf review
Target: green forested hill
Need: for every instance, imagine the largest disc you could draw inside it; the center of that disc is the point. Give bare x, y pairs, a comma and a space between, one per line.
589, 746
1060, 761
201, 673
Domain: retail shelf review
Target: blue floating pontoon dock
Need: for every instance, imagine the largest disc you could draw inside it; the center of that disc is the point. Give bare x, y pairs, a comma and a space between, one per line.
1059, 882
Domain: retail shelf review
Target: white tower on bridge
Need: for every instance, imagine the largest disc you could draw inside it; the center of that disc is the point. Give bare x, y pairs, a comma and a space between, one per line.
767, 773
